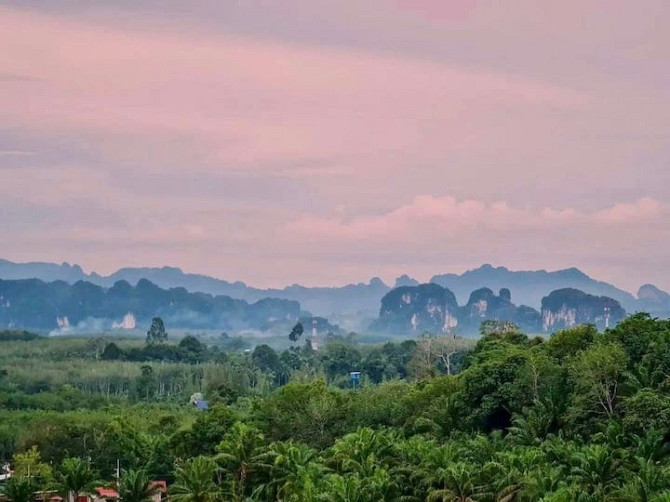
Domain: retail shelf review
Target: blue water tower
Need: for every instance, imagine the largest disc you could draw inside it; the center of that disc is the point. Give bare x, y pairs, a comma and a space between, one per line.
355, 377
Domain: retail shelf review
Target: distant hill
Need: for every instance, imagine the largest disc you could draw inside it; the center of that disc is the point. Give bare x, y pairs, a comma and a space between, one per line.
529, 287
41, 270
35, 304
417, 309
484, 304
352, 298
565, 308
652, 299
431, 308
360, 300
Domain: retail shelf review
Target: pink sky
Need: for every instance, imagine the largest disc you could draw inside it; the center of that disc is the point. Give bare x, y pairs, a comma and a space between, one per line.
325, 142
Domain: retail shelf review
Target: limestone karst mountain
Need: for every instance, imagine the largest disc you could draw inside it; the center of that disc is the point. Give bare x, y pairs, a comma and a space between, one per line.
529, 286
359, 300
415, 309
31, 303
433, 309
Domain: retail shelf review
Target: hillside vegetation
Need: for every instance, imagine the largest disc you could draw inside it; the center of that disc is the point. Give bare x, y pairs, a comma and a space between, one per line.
582, 415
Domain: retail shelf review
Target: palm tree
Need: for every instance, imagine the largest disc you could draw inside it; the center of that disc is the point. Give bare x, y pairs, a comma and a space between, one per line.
295, 471
354, 488
411, 466
363, 451
19, 489
343, 489
135, 486
194, 481
596, 467
537, 422
454, 483
512, 472
240, 454
649, 480
650, 445
74, 478
543, 480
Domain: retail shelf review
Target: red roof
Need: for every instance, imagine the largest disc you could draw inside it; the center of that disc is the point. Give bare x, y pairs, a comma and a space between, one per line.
160, 485
107, 493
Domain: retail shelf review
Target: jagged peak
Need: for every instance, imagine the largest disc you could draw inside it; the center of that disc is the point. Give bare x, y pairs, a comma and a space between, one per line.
573, 272
405, 280
652, 292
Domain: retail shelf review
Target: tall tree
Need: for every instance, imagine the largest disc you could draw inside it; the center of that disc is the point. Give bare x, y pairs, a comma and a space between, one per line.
296, 332
194, 481
75, 477
156, 333
135, 486
597, 373
19, 489
240, 455
295, 472
265, 358
30, 464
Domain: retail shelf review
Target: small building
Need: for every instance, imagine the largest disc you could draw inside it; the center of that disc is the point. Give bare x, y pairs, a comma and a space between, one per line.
355, 378
202, 404
160, 490
103, 495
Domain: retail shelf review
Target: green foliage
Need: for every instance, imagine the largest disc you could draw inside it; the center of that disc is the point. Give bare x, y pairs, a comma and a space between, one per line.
74, 477
19, 488
112, 352
195, 481
240, 455
135, 486
581, 416
568, 342
265, 358
8, 335
156, 333
30, 464
597, 375
296, 332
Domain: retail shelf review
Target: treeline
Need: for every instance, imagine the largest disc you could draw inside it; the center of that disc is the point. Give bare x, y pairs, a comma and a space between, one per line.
582, 416
91, 373
8, 335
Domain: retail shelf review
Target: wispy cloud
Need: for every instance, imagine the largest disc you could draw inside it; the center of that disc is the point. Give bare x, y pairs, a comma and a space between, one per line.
15, 153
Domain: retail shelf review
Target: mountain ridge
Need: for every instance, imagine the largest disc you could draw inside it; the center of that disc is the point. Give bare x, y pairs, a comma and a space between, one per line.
58, 305
431, 308
530, 286
527, 286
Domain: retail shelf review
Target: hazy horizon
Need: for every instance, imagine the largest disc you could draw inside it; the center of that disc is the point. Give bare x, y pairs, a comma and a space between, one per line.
389, 281
325, 143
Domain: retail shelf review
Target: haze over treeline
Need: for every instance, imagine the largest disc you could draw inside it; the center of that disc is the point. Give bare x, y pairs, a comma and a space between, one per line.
62, 298
528, 287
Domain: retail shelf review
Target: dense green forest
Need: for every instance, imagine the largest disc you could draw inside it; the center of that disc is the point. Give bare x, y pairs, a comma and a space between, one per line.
581, 415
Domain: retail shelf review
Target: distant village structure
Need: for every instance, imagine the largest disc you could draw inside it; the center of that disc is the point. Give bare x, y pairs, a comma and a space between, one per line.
98, 494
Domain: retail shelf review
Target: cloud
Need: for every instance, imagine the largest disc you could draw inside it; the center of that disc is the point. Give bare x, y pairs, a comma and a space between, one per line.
428, 218
433, 235
15, 153
639, 212
246, 102
314, 141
